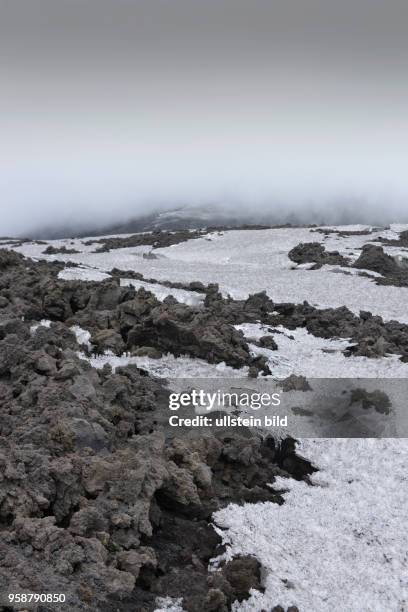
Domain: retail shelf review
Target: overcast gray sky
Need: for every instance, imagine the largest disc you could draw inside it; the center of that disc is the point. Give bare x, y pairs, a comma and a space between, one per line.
108, 108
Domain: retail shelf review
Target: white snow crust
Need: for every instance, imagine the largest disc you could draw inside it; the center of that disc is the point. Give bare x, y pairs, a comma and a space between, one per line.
338, 545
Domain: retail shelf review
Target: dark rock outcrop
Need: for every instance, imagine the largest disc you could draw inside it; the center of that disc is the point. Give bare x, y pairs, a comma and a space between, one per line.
315, 252
108, 340
342, 233
373, 258
155, 239
9, 259
268, 342
51, 250
370, 335
97, 499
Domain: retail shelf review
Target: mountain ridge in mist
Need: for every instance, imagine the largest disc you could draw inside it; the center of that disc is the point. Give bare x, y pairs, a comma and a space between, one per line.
195, 217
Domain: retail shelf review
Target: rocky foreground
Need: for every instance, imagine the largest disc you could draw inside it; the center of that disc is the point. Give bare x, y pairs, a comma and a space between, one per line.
96, 500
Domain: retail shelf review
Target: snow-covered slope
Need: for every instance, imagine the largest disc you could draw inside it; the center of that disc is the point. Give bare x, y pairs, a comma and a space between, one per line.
244, 262
340, 545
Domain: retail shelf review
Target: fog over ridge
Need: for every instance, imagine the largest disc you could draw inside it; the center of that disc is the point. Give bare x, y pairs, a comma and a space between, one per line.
110, 110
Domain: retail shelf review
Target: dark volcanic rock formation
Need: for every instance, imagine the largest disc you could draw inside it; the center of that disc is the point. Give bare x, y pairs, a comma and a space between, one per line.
373, 258
96, 502
50, 250
207, 332
370, 335
9, 259
138, 317
196, 286
342, 233
314, 252
97, 499
156, 239
181, 329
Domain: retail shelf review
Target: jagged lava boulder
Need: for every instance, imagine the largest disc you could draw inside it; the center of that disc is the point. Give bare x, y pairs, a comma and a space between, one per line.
314, 252
373, 258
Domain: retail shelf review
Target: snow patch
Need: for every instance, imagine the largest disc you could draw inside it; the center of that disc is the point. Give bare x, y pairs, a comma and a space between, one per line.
42, 323
168, 366
169, 604
303, 354
82, 335
183, 296
82, 274
337, 545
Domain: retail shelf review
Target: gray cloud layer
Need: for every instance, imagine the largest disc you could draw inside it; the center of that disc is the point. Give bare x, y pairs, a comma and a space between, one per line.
113, 107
